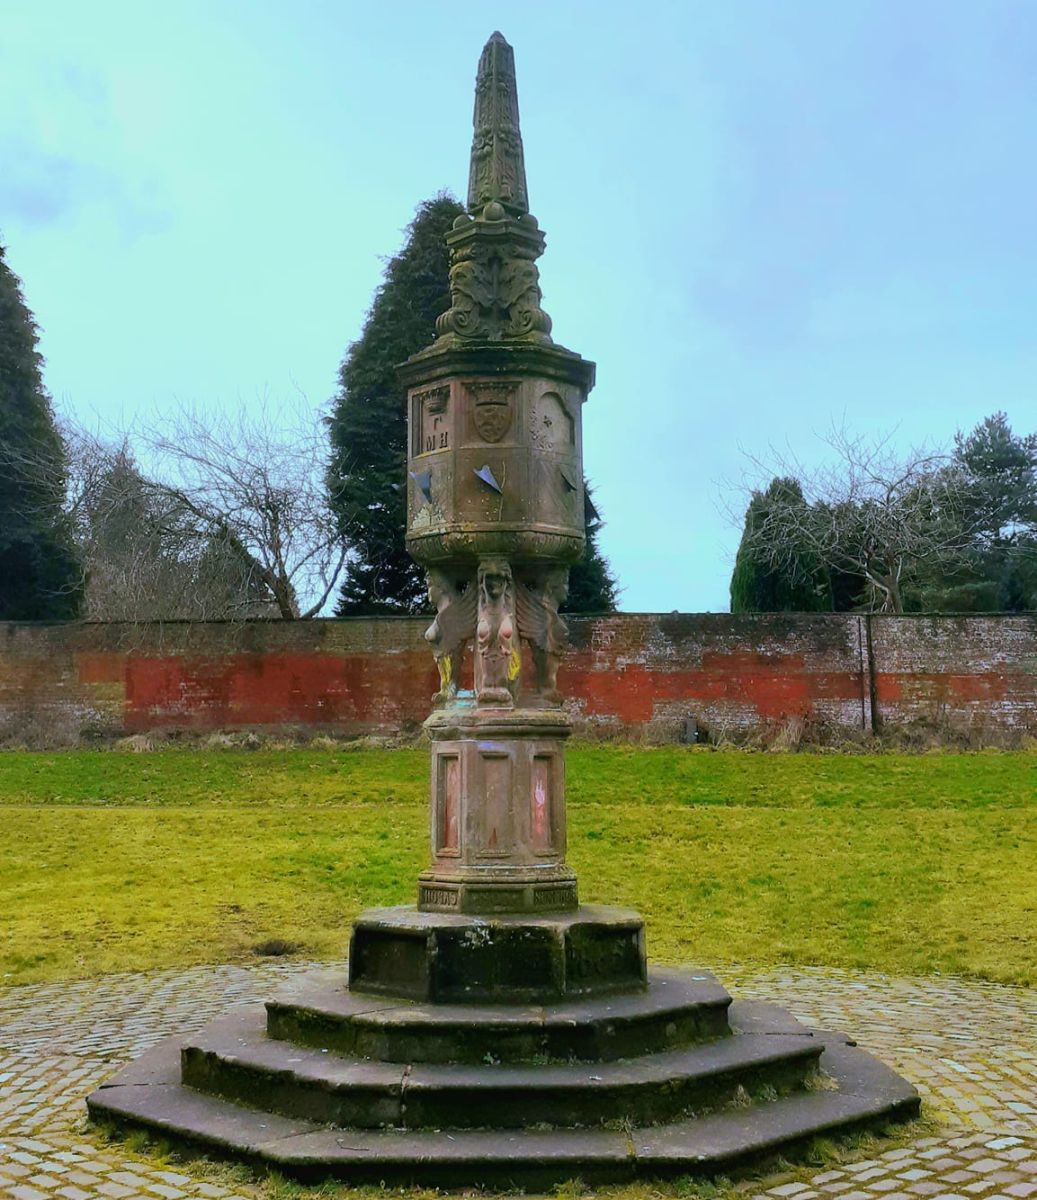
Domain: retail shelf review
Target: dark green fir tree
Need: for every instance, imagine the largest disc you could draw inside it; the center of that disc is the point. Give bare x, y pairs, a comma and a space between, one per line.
369, 420
39, 575
592, 586
1002, 505
1001, 468
368, 430
997, 498
799, 585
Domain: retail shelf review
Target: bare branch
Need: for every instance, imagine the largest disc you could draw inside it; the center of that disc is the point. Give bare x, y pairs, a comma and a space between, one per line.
871, 511
201, 516
255, 482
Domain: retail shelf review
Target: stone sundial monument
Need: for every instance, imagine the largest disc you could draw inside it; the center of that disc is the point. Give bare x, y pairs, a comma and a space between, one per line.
498, 1032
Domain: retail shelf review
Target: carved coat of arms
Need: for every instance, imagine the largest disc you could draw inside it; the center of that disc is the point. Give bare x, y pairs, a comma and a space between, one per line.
492, 410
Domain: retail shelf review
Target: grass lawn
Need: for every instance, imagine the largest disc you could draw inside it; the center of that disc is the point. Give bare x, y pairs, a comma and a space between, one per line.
906, 864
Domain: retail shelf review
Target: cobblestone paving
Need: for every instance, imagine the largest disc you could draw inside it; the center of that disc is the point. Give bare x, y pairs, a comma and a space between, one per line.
970, 1048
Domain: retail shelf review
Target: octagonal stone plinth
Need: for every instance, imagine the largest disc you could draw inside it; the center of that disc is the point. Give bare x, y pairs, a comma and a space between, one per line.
450, 958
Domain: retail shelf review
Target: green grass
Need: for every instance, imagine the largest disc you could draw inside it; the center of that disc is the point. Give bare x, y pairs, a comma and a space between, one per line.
905, 864
821, 1152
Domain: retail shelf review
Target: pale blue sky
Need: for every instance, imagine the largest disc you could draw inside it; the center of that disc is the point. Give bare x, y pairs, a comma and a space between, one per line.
761, 216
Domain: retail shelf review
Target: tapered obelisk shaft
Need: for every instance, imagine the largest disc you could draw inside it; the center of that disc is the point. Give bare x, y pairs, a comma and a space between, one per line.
498, 170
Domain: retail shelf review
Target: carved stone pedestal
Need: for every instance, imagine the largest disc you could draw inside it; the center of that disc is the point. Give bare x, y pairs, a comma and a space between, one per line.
497, 812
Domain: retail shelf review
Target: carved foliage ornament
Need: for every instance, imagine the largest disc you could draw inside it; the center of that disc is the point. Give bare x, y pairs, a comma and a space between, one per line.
494, 282
494, 290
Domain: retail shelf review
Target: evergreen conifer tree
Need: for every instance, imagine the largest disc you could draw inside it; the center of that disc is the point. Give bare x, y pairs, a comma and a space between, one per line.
368, 429
592, 586
39, 576
1000, 507
368, 424
802, 586
1002, 472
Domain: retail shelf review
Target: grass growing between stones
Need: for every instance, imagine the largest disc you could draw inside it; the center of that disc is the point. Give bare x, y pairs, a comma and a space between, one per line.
904, 864
819, 1153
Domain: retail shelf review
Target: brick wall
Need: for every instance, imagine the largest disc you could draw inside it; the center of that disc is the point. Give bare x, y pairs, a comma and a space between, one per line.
648, 673
968, 670
629, 674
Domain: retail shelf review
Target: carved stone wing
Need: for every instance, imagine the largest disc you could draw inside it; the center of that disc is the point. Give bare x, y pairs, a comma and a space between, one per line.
534, 616
457, 620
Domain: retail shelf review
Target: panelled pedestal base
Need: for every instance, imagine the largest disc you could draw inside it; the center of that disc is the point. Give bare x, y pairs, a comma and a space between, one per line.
498, 812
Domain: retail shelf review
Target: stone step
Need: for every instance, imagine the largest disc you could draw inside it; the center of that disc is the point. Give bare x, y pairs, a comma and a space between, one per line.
862, 1092
677, 1009
235, 1059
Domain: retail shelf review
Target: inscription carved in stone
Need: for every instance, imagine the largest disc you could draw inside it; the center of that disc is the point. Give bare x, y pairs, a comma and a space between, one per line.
433, 420
438, 897
560, 897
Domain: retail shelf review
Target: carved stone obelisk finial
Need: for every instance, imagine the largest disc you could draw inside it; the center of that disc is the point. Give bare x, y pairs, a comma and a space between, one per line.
498, 171
494, 282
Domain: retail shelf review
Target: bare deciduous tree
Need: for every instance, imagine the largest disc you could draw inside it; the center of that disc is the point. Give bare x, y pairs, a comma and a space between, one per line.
873, 512
253, 485
199, 516
141, 553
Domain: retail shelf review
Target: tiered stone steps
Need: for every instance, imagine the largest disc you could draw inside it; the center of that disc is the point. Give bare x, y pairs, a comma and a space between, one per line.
673, 1079
678, 1007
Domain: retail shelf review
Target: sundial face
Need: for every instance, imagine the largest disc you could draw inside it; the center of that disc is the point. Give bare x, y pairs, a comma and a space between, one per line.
493, 454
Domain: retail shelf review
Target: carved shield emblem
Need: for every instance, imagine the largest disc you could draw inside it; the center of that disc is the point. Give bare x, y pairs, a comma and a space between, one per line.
492, 412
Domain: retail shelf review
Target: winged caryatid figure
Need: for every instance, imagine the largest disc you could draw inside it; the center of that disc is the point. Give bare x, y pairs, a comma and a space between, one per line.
498, 663
537, 603
454, 624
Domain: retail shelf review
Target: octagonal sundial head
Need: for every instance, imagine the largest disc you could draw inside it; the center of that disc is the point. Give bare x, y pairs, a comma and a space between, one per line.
495, 468
495, 456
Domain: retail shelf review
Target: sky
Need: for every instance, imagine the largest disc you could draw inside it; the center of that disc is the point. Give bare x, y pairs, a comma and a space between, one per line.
763, 219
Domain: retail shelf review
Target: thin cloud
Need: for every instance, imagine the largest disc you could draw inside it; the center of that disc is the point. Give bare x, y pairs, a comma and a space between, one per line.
39, 188
62, 153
